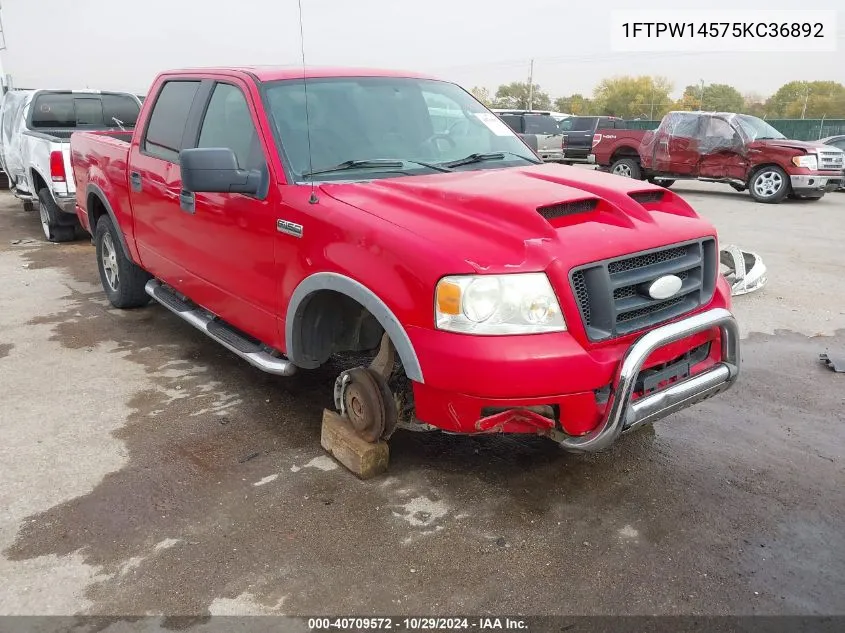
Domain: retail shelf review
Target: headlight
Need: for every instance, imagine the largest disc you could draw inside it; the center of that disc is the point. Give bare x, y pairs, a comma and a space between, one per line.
809, 161
498, 304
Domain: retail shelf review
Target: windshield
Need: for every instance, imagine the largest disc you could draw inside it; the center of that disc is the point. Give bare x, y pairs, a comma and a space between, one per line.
371, 118
755, 128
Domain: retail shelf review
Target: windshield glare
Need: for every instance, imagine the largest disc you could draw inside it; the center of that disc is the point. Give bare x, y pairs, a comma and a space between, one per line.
365, 118
755, 128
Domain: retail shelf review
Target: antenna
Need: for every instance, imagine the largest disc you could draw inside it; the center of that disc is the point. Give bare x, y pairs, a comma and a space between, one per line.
313, 199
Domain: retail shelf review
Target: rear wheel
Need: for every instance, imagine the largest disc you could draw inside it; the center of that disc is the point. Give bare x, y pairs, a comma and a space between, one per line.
627, 167
122, 279
769, 184
57, 226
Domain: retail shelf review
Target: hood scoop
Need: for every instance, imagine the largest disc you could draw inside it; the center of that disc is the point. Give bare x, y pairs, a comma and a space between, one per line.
565, 209
646, 196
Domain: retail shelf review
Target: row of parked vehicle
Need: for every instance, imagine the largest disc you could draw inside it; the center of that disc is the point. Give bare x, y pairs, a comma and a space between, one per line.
740, 150
35, 130
392, 216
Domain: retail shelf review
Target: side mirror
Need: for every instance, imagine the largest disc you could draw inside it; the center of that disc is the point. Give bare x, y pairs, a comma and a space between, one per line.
215, 169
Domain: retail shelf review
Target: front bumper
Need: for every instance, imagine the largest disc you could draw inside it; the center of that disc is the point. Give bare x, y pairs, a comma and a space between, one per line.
623, 413
802, 183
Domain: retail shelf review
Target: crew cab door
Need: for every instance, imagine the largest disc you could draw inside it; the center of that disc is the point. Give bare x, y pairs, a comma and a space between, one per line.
155, 183
232, 235
676, 147
722, 151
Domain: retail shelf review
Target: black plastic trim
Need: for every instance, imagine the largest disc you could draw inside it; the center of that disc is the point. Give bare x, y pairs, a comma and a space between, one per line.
96, 191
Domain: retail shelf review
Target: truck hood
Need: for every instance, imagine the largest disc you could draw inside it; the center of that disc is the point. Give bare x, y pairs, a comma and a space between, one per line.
491, 218
807, 146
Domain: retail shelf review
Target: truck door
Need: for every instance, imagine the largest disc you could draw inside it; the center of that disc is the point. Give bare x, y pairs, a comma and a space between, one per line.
676, 146
155, 183
721, 149
232, 235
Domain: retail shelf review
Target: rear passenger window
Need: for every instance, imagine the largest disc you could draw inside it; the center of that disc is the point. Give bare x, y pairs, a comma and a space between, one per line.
605, 124
168, 119
228, 123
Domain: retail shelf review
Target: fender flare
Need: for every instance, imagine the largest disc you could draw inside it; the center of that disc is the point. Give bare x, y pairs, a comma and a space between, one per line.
367, 298
94, 190
31, 183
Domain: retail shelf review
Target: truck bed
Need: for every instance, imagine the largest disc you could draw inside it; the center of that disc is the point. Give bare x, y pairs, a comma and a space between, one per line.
608, 144
99, 160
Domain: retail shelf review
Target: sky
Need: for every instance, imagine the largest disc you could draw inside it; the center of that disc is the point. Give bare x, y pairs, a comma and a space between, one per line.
123, 44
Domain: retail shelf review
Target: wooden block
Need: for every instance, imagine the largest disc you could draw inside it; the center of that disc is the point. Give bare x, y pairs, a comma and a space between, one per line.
365, 460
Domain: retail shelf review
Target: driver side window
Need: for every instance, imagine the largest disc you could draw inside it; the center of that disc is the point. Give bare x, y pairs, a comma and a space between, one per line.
228, 123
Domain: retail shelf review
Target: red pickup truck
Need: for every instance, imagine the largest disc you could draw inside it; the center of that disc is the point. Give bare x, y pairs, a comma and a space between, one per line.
737, 149
493, 293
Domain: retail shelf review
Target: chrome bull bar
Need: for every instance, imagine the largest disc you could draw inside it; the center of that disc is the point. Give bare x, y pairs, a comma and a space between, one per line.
622, 414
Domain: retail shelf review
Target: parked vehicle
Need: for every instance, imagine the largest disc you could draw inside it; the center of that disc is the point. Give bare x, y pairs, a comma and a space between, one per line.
502, 295
35, 149
578, 133
538, 129
839, 142
737, 149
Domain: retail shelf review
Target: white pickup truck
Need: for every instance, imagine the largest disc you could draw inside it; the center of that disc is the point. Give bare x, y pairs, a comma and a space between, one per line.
35, 129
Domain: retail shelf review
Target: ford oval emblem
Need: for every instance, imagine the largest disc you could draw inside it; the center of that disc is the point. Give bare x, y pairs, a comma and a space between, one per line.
665, 287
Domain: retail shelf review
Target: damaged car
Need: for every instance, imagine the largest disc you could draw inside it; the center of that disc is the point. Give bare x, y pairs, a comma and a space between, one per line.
739, 150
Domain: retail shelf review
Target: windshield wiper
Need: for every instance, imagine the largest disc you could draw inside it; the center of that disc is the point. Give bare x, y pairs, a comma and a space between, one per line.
374, 163
119, 123
481, 158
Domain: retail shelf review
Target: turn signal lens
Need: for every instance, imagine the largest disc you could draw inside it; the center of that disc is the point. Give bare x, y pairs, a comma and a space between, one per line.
448, 298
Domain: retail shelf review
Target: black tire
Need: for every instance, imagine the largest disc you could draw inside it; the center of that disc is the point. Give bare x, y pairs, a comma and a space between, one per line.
739, 188
661, 183
57, 226
627, 167
123, 280
769, 185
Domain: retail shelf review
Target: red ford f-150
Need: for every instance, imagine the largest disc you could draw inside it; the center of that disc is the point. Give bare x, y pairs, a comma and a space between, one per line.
494, 293
737, 149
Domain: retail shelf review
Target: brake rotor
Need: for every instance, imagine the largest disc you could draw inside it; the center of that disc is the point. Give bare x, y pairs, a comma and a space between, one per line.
364, 405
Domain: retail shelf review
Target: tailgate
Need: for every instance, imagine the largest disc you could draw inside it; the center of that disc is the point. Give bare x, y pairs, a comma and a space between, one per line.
71, 185
579, 139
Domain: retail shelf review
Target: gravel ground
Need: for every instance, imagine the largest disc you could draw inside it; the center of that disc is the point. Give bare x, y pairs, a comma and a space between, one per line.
148, 471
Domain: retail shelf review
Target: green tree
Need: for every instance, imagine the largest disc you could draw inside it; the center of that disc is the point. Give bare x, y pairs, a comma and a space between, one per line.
574, 104
714, 97
482, 94
633, 97
808, 99
515, 96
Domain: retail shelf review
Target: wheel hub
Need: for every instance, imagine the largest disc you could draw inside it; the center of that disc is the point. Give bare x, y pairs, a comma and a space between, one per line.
362, 400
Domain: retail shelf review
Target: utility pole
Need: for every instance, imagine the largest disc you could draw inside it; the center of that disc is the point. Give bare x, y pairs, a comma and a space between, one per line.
701, 104
651, 116
531, 86
806, 98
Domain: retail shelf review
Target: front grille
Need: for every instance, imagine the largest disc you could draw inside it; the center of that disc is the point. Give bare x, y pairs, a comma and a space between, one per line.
613, 298
831, 160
